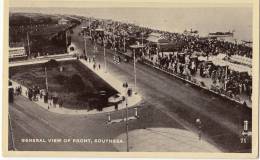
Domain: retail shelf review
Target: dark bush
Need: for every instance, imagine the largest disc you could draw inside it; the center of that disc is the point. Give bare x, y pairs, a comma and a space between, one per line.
75, 83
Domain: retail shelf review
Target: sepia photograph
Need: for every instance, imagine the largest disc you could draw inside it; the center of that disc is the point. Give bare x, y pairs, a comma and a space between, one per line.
131, 77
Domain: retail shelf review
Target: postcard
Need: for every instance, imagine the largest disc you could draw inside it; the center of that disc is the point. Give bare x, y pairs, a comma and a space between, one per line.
131, 78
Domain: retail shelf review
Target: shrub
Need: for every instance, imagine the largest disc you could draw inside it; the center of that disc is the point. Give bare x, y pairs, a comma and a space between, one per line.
51, 64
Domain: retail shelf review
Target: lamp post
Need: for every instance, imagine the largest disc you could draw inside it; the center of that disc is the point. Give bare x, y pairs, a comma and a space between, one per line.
127, 139
89, 27
134, 47
28, 43
142, 33
124, 43
142, 38
125, 85
85, 38
85, 46
46, 80
124, 36
105, 61
66, 38
134, 72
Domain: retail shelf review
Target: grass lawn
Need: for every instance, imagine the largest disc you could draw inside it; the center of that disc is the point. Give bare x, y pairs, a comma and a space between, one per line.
79, 93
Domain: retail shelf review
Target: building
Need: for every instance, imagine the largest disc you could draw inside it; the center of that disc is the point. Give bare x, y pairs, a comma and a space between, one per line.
17, 53
63, 21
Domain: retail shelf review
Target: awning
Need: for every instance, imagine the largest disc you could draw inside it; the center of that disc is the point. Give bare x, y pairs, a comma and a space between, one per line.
154, 37
232, 66
241, 59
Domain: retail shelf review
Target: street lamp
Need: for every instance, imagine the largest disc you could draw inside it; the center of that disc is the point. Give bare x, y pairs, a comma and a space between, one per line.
89, 27
85, 39
142, 33
124, 36
125, 85
134, 47
104, 44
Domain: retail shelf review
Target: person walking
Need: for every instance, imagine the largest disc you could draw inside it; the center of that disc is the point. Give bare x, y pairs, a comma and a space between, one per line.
199, 127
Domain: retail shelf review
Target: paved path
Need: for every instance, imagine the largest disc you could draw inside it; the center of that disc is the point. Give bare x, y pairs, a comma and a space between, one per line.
40, 60
165, 140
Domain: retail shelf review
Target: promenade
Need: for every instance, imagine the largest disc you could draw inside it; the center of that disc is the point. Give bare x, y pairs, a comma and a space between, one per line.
196, 80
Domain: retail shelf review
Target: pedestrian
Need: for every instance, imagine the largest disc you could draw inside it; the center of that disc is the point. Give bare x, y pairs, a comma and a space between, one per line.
99, 66
50, 100
199, 127
60, 102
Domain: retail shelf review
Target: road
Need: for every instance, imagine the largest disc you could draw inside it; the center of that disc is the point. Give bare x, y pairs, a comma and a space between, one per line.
167, 102
31, 121
182, 101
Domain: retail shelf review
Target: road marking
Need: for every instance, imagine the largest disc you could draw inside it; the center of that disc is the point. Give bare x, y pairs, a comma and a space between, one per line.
121, 120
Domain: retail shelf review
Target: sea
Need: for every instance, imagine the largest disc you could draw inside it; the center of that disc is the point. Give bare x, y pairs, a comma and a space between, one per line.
205, 20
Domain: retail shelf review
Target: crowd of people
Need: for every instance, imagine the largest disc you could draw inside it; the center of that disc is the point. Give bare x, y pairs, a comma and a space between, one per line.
182, 61
36, 94
121, 35
221, 78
